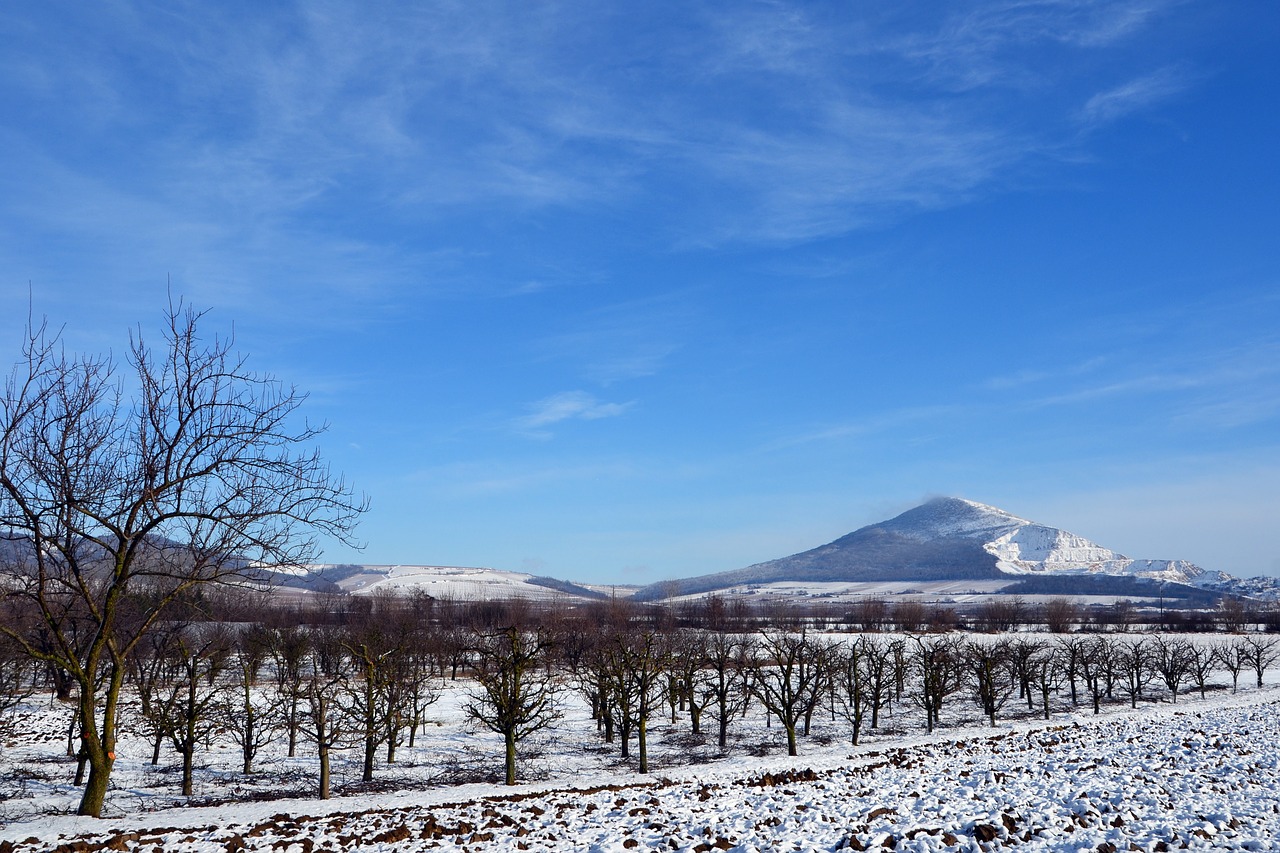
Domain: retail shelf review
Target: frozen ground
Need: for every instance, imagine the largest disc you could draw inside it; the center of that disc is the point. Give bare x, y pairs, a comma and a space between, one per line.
1199, 774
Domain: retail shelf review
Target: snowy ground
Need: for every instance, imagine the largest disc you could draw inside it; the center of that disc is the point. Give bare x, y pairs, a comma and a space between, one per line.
1199, 774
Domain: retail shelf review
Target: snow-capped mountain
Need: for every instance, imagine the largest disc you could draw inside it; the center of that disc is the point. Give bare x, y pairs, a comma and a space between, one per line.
948, 539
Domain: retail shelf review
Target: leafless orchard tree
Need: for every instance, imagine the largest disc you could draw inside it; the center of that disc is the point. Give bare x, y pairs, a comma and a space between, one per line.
1096, 656
1172, 661
988, 668
1261, 653
851, 680
1135, 660
200, 655
638, 665
290, 646
1024, 652
1202, 661
187, 473
152, 670
251, 717
1234, 659
1048, 671
326, 722
515, 697
688, 656
721, 682
791, 678
937, 660
375, 699
880, 657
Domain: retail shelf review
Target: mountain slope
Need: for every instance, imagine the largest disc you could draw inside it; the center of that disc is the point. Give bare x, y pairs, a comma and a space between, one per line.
948, 539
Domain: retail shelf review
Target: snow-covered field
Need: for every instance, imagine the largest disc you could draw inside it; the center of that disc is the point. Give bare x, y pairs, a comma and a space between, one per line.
1195, 774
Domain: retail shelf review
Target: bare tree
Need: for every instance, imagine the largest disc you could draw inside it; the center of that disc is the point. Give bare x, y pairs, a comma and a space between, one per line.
1135, 661
1096, 661
720, 683
909, 615
515, 697
152, 670
988, 667
1000, 613
200, 654
251, 716
689, 652
1172, 661
639, 660
1234, 659
1261, 653
851, 681
1201, 663
1024, 651
879, 660
791, 678
871, 614
326, 721
593, 677
1060, 615
1233, 613
938, 661
290, 646
189, 473
374, 700
1047, 672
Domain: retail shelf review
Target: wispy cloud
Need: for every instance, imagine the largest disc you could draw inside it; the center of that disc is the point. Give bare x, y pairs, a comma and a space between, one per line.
742, 123
1028, 376
1134, 96
868, 426
565, 406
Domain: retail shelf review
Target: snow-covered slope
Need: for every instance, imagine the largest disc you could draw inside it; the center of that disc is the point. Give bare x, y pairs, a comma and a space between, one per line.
1026, 547
460, 583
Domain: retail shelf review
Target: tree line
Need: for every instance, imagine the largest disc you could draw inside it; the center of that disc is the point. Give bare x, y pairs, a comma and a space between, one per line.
358, 675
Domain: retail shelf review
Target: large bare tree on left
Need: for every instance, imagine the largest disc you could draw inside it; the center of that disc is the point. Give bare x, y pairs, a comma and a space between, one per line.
124, 489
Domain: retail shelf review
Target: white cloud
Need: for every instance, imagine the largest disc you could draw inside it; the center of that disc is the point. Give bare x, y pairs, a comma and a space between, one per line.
1134, 96
565, 406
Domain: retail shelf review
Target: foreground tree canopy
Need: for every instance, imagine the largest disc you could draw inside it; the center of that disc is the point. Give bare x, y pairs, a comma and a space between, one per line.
122, 491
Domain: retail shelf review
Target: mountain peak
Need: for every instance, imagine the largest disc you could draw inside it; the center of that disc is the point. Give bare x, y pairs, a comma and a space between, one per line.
947, 517
948, 539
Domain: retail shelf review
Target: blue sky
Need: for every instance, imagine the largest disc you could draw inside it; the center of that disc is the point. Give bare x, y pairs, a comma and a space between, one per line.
622, 292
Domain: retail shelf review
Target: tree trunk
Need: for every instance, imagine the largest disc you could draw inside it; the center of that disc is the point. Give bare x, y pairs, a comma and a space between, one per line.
188, 768
99, 747
246, 750
370, 750
324, 771
643, 741
510, 737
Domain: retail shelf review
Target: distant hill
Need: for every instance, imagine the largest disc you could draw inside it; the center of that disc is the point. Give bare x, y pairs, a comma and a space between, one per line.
952, 539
